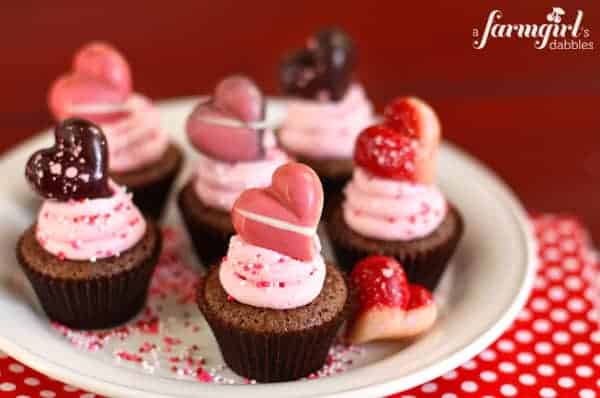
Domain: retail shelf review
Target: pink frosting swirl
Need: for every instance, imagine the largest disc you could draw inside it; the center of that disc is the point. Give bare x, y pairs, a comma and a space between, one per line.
218, 184
135, 140
326, 129
264, 278
90, 228
387, 209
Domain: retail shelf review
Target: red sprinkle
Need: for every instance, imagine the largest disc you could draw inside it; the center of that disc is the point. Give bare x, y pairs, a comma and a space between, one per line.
263, 284
126, 356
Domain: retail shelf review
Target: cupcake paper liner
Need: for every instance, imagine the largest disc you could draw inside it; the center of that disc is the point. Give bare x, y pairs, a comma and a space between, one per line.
275, 357
94, 303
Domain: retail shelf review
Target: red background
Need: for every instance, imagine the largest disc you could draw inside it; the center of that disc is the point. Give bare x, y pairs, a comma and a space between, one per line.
531, 115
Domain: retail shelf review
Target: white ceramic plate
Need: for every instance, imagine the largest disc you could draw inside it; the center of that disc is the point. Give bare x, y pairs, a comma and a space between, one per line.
485, 287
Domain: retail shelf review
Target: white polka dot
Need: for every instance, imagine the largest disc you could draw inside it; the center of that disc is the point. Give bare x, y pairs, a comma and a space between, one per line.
559, 315
571, 264
542, 325
23, 396
47, 394
450, 375
576, 305
561, 337
578, 327
449, 395
551, 254
488, 376
7, 387
505, 345
566, 382
69, 388
527, 379
488, 355
429, 388
557, 293
540, 304
507, 367
568, 245
469, 386
566, 228
587, 393
546, 370
508, 390
555, 273
16, 368
525, 358
596, 360
573, 283
584, 371
590, 294
550, 236
595, 337
31, 381
543, 348
87, 395
524, 315
563, 359
469, 365
581, 349
547, 392
524, 336
540, 283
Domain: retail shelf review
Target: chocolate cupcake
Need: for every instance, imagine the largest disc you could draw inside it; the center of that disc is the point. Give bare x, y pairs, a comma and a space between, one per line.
237, 150
273, 303
90, 254
141, 155
391, 205
326, 109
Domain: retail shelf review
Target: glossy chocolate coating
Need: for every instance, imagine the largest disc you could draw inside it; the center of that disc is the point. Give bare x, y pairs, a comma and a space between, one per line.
323, 67
76, 167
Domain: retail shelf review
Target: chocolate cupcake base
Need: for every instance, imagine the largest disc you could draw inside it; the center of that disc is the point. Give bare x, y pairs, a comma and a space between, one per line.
269, 345
91, 295
209, 229
152, 184
424, 259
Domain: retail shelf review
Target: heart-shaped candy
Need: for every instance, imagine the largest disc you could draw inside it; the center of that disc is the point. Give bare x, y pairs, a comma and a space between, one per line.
389, 308
76, 167
405, 146
222, 127
97, 87
321, 70
416, 119
284, 216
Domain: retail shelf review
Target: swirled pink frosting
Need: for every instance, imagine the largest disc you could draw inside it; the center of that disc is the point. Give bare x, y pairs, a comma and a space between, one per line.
326, 129
388, 209
135, 140
218, 184
92, 228
264, 278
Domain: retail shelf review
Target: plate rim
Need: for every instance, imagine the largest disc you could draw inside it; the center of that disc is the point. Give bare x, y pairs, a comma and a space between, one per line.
454, 359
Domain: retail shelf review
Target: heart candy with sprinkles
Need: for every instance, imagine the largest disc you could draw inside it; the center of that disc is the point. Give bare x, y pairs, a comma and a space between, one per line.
75, 167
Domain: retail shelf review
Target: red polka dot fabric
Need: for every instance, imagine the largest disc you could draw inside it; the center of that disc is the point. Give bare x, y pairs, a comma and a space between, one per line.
551, 350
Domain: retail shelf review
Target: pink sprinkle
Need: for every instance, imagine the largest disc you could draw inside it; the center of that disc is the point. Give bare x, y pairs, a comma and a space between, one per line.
75, 244
230, 298
46, 215
240, 276
134, 221
203, 375
174, 359
391, 219
129, 357
171, 340
263, 284
258, 266
119, 207
282, 284
61, 256
412, 219
281, 260
92, 219
146, 347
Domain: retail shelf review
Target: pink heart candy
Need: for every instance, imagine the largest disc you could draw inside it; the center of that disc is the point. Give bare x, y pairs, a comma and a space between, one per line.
284, 216
100, 76
237, 100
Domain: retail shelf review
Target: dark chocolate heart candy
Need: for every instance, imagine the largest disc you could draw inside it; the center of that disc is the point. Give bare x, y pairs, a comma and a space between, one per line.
324, 66
76, 167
